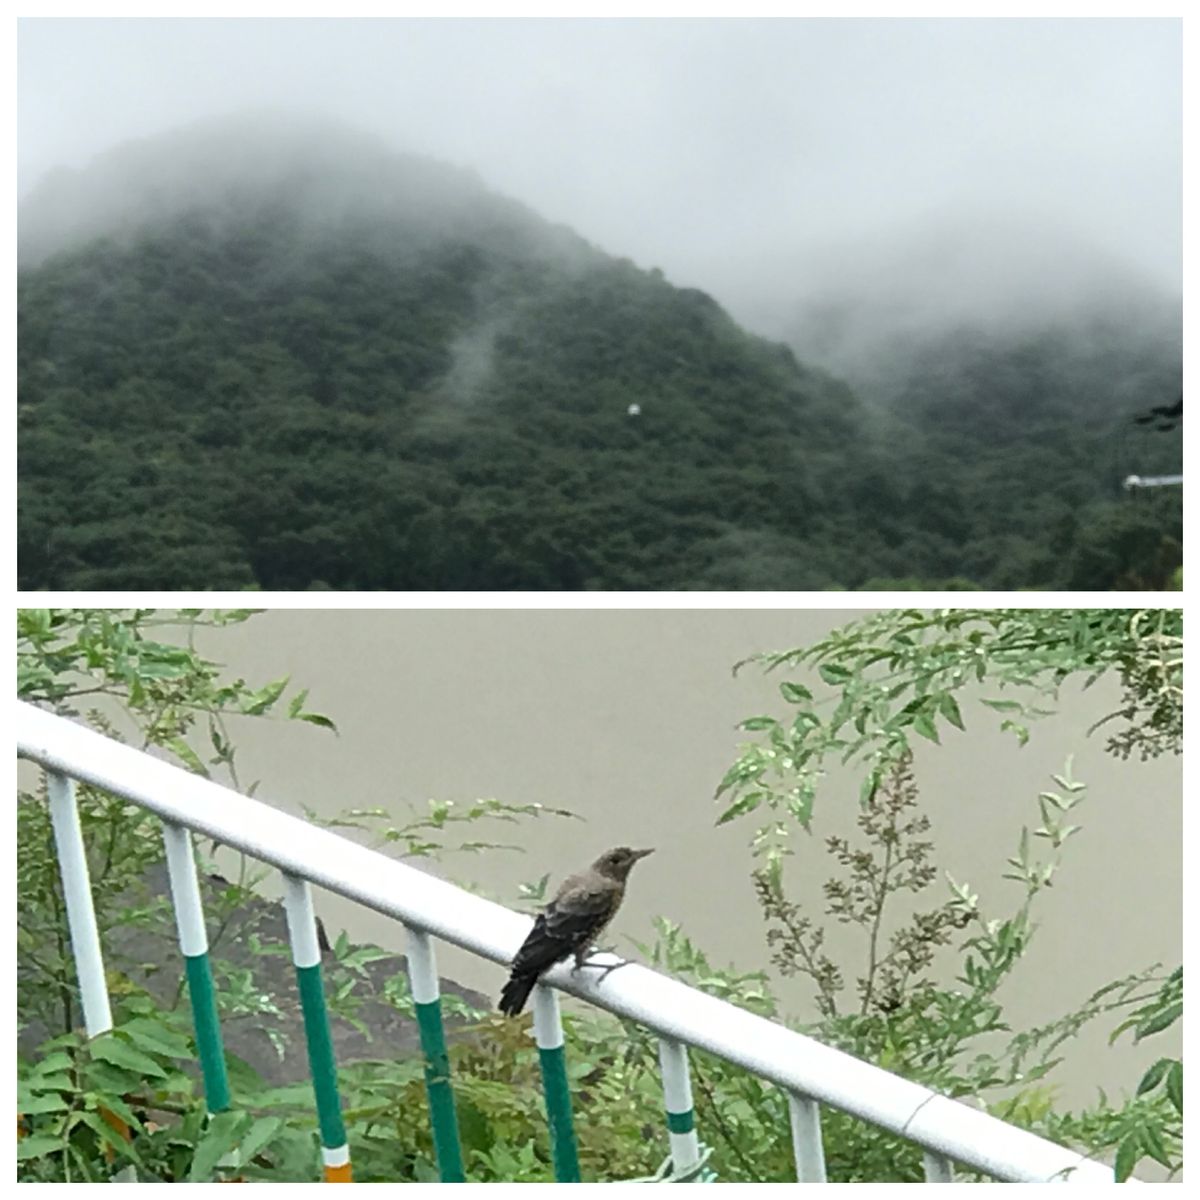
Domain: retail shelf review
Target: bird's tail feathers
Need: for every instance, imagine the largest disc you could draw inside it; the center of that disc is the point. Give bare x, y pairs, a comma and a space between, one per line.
516, 992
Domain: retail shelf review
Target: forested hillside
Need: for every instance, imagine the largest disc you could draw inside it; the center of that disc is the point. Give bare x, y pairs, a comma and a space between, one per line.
1035, 433
299, 362
1023, 421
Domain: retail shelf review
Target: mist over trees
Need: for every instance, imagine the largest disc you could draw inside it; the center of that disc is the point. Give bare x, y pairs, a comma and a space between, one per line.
274, 353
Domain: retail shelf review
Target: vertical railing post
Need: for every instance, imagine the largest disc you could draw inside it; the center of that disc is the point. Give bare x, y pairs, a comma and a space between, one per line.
81, 914
677, 1094
938, 1168
193, 944
805, 1114
423, 979
81, 922
306, 955
547, 1029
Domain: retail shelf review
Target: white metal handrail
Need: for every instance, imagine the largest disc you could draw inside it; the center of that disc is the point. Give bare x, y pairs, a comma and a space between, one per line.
809, 1072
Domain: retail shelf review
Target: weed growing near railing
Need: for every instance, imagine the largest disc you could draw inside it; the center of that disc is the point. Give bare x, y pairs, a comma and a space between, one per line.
869, 690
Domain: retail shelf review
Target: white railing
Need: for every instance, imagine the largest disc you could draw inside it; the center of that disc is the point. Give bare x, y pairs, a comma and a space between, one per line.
809, 1072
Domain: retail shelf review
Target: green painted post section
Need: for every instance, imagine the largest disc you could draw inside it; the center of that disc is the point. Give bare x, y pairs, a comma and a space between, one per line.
558, 1113
441, 1096
683, 1122
208, 1032
320, 1056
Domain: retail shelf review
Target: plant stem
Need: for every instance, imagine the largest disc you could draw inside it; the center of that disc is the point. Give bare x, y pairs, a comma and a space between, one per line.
715, 1113
880, 898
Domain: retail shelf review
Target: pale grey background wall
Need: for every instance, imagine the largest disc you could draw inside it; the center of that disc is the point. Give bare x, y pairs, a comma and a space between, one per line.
627, 717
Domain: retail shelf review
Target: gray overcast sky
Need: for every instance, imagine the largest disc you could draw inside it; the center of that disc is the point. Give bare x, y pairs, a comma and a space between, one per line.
712, 149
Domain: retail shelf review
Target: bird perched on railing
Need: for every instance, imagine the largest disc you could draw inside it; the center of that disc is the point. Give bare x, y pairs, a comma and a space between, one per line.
570, 923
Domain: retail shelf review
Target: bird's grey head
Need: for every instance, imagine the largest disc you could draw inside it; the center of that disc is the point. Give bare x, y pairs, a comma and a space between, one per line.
616, 864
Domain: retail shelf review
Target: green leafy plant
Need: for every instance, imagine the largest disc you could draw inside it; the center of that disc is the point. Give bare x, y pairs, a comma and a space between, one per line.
1154, 1130
872, 687
955, 1039
896, 675
429, 834
169, 692
899, 861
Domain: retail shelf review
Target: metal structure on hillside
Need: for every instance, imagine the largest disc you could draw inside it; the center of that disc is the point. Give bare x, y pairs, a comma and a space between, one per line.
1150, 481
1163, 418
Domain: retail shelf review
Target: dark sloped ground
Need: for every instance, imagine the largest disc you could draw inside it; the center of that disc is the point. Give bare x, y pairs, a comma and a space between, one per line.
392, 1036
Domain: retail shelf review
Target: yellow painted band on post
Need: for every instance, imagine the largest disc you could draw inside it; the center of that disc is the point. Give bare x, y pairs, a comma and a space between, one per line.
338, 1174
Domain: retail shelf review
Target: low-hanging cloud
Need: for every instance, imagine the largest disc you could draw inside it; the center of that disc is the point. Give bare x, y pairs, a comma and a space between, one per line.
756, 159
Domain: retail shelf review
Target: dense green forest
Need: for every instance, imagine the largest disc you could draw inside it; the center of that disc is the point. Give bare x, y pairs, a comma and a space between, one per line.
289, 385
1021, 439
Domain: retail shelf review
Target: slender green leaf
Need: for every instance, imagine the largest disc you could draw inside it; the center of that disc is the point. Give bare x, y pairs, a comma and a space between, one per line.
37, 1145
833, 673
317, 719
1152, 1143
153, 1036
187, 755
1175, 1086
111, 1050
222, 1134
258, 1136
107, 1134
52, 1064
31, 1105
923, 724
260, 701
1160, 1020
742, 805
756, 724
1154, 1076
948, 707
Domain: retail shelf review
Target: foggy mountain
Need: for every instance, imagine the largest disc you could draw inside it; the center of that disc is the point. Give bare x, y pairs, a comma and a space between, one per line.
1004, 360
273, 352
867, 310
326, 173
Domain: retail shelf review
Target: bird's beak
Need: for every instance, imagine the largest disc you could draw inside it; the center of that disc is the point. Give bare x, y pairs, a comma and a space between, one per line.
643, 853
